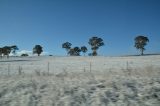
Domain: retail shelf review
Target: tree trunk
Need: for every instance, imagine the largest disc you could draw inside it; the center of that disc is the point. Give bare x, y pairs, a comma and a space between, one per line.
1, 56
38, 54
94, 53
141, 51
68, 54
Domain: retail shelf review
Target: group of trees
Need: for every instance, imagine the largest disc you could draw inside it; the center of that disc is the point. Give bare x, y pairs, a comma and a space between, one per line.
6, 50
94, 42
74, 51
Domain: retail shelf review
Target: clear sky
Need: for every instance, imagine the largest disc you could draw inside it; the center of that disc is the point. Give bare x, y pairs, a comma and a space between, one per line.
52, 22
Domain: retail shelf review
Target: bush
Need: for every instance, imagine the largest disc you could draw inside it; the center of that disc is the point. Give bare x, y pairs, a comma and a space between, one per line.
25, 55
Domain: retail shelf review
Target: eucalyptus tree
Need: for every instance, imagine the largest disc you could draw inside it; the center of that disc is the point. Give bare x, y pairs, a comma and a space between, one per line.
95, 43
67, 46
74, 51
84, 49
6, 50
140, 42
77, 51
38, 49
1, 52
71, 52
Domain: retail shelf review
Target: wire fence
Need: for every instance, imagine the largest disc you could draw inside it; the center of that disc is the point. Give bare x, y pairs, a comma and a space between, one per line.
55, 66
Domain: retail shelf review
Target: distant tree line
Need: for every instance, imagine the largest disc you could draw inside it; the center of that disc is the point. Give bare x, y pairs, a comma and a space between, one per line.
6, 50
95, 43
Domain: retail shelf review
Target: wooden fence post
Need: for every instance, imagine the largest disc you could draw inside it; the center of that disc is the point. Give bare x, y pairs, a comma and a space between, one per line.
90, 66
48, 67
8, 69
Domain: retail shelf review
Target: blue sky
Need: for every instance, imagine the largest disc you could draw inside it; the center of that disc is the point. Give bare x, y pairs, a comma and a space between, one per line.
52, 22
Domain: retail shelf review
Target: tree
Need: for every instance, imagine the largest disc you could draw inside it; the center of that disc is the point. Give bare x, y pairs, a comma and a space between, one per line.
89, 54
140, 42
6, 50
71, 52
95, 43
67, 46
74, 51
84, 49
1, 52
38, 49
77, 51
14, 48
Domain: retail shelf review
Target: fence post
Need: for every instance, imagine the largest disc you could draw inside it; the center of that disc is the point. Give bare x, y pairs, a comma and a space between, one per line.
19, 70
90, 66
48, 67
8, 69
127, 65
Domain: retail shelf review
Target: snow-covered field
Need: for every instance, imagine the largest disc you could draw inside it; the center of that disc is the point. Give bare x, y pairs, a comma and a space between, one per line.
80, 81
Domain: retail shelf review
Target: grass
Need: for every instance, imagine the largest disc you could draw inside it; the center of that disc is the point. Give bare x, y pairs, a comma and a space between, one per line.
80, 89
126, 86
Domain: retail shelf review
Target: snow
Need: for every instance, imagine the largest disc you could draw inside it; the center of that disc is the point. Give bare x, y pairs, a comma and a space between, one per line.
80, 81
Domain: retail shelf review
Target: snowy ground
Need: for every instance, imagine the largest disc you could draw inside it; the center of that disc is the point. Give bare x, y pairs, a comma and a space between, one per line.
80, 81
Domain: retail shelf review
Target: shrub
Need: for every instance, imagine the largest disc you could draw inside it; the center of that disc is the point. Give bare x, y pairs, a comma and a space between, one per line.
25, 55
